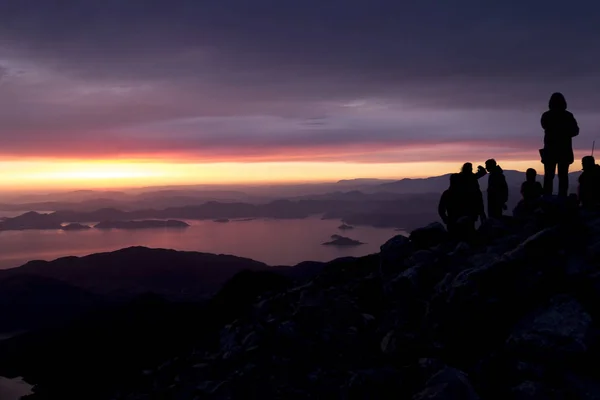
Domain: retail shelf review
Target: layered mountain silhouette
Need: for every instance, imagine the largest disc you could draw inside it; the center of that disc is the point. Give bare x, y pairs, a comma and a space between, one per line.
405, 204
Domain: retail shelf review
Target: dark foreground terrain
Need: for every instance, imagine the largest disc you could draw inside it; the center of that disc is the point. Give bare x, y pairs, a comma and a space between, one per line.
513, 314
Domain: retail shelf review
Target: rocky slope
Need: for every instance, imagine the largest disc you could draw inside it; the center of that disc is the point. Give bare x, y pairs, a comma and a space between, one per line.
511, 313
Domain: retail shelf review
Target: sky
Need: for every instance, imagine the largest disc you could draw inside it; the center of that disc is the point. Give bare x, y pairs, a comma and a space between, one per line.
120, 93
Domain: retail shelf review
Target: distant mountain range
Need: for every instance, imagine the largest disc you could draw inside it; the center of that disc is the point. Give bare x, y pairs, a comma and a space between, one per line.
403, 204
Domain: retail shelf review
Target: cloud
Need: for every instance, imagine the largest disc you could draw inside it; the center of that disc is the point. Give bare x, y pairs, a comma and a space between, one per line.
266, 79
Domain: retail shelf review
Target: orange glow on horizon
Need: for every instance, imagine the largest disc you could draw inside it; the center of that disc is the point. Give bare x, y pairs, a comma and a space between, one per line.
77, 174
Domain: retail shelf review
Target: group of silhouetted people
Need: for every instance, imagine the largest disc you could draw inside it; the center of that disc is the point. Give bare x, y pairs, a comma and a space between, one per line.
462, 204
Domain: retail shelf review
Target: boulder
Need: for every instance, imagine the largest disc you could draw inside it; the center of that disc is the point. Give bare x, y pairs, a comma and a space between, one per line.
554, 334
492, 229
530, 390
377, 383
423, 257
428, 236
448, 383
393, 253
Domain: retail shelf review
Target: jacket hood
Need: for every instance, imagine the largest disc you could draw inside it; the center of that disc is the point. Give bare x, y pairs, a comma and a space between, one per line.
557, 102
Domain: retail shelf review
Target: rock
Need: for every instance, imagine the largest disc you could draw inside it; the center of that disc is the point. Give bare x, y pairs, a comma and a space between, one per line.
482, 259
414, 283
529, 390
448, 383
424, 257
482, 305
492, 229
582, 387
555, 334
593, 252
393, 254
428, 236
376, 383
401, 345
461, 248
537, 246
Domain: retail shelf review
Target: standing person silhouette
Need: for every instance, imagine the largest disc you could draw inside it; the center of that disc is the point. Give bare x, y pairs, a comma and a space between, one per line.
560, 126
472, 192
497, 191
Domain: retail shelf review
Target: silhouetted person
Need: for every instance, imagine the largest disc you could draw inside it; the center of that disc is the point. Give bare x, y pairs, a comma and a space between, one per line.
454, 209
531, 189
471, 191
497, 192
449, 208
559, 127
531, 192
470, 178
589, 184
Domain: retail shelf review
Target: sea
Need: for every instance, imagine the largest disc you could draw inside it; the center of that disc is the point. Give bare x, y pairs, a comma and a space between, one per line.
272, 241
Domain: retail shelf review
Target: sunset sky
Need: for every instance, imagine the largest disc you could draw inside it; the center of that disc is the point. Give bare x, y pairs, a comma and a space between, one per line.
134, 93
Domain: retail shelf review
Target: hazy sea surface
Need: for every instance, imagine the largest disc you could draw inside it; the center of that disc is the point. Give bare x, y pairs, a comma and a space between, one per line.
275, 242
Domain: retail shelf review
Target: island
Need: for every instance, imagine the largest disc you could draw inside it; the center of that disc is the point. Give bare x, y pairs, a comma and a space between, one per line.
31, 220
75, 227
222, 220
342, 241
345, 227
147, 224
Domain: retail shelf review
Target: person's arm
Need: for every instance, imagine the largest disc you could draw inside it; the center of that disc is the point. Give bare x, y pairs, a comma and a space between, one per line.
574, 130
523, 190
481, 172
544, 121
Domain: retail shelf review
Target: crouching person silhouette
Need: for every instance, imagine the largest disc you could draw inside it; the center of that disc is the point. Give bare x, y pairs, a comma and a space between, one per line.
589, 184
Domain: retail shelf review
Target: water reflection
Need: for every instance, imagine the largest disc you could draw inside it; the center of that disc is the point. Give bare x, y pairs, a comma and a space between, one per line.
275, 242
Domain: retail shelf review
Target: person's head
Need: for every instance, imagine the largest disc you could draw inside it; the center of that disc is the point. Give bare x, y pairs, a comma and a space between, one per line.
454, 180
467, 168
588, 162
530, 175
490, 164
557, 102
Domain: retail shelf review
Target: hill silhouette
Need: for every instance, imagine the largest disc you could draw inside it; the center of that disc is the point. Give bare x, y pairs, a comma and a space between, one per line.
135, 270
46, 293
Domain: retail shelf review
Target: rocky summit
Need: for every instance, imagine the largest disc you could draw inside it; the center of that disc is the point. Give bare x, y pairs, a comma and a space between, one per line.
511, 313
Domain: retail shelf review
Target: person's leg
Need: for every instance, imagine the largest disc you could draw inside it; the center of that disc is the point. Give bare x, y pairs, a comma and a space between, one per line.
563, 179
494, 209
549, 171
